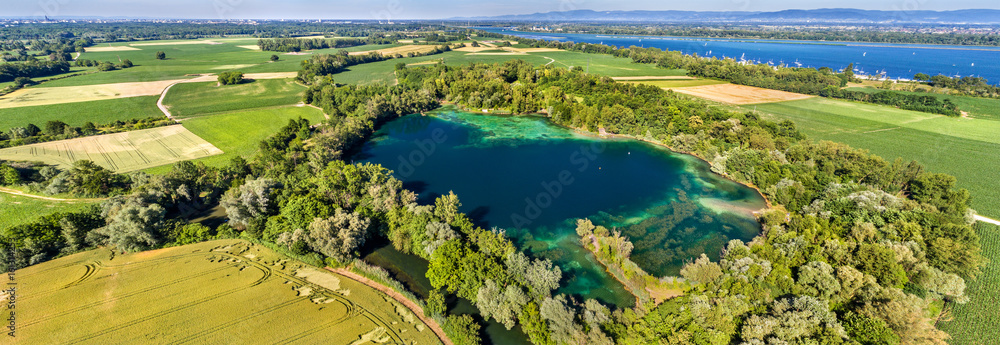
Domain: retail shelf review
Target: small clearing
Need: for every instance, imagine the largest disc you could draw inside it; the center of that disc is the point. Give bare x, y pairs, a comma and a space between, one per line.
739, 94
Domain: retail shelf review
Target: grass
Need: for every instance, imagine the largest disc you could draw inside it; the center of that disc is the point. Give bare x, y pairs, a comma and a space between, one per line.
976, 322
969, 149
76, 114
980, 108
239, 133
240, 292
676, 83
195, 99
17, 209
120, 152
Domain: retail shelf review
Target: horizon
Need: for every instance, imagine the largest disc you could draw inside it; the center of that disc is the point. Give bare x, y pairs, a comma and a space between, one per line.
424, 10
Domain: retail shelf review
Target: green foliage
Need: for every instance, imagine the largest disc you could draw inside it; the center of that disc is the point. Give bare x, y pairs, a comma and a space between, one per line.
435, 303
161, 55
230, 78
462, 330
191, 233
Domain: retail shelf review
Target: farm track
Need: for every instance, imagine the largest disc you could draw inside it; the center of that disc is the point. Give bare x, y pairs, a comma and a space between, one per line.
419, 312
20, 193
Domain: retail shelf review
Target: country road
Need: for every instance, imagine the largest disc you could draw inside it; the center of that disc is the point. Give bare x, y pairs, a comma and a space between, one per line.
987, 220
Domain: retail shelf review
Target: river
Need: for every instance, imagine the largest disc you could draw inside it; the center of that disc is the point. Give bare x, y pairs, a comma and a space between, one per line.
895, 60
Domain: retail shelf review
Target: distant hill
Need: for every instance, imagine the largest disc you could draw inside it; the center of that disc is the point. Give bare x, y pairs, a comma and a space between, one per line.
830, 15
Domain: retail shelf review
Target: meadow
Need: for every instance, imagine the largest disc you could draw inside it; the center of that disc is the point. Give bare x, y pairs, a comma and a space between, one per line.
120, 152
967, 148
224, 291
976, 322
239, 133
197, 99
980, 108
19, 209
76, 114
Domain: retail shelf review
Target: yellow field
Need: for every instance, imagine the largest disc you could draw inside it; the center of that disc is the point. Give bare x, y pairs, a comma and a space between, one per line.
218, 292
399, 50
173, 43
739, 94
99, 49
69, 94
121, 152
251, 47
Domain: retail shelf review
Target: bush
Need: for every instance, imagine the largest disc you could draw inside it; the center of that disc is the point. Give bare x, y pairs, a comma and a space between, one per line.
161, 56
230, 78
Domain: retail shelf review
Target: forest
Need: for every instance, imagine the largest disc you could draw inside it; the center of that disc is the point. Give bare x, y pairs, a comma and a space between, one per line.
872, 34
855, 250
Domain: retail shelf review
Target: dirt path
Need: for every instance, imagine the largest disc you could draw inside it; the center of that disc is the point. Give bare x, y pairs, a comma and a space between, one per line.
20, 193
987, 220
159, 102
419, 312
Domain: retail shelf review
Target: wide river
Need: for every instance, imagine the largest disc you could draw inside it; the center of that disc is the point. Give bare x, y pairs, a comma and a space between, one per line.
534, 179
895, 60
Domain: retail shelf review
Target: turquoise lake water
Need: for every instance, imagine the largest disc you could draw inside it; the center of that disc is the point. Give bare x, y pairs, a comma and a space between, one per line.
534, 179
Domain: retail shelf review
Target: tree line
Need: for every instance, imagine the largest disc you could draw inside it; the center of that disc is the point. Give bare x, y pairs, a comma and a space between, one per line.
286, 45
59, 130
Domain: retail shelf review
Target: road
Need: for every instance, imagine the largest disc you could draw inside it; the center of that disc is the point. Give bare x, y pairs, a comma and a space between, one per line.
987, 220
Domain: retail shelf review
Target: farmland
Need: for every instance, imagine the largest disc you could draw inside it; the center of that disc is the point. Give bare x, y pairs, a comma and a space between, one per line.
980, 108
76, 114
19, 209
976, 322
238, 133
225, 291
193, 99
120, 152
668, 83
72, 94
738, 94
969, 149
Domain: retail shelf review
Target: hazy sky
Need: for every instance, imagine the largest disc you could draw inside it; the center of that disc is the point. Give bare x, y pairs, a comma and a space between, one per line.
422, 9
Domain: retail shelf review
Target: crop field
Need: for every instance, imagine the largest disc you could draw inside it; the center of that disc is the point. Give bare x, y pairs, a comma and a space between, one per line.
404, 49
979, 108
239, 133
121, 152
33, 96
19, 209
224, 291
967, 148
195, 99
668, 83
76, 114
976, 322
738, 94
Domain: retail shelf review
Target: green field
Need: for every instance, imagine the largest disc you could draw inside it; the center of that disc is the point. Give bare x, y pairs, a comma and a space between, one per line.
184, 58
980, 108
120, 152
239, 133
967, 148
76, 114
195, 99
976, 322
226, 291
676, 83
17, 209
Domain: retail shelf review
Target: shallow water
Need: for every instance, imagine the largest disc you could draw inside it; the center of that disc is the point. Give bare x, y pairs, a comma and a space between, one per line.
534, 179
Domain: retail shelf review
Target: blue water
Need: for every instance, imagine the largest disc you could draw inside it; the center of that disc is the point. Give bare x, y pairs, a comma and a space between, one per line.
534, 179
895, 60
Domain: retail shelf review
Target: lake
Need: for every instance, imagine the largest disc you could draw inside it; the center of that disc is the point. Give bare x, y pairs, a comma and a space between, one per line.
895, 60
534, 179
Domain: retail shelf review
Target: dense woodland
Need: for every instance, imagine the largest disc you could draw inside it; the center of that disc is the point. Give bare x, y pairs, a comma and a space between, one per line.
855, 250
826, 33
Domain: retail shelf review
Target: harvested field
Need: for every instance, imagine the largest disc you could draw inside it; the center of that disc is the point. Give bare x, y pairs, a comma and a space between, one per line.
173, 43
399, 50
251, 47
655, 77
110, 49
69, 94
121, 152
674, 83
739, 94
218, 292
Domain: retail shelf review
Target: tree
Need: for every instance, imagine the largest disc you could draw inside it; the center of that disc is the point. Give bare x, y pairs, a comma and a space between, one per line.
132, 225
818, 279
446, 207
921, 77
230, 78
252, 200
191, 233
462, 329
55, 127
339, 236
32, 129
435, 303
795, 320
9, 176
702, 270
274, 58
161, 55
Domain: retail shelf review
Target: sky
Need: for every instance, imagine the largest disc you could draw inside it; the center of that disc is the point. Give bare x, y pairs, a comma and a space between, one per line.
428, 9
